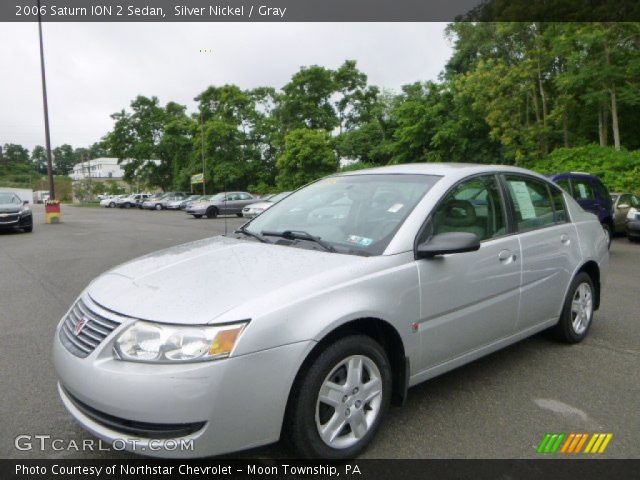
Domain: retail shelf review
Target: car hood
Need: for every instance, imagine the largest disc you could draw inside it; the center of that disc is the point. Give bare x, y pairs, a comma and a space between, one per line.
9, 208
196, 282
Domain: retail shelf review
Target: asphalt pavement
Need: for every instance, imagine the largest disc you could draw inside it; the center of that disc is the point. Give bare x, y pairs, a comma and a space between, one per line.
498, 407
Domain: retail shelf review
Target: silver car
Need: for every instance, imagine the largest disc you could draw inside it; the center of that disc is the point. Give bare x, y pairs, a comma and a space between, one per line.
257, 208
368, 283
229, 203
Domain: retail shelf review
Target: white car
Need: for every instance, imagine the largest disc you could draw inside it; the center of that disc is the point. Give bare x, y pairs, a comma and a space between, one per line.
255, 209
110, 201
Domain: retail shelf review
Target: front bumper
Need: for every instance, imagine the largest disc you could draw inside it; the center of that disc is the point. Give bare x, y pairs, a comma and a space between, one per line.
234, 404
15, 220
196, 211
633, 228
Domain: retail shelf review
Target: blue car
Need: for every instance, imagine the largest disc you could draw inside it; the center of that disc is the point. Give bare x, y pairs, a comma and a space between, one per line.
591, 194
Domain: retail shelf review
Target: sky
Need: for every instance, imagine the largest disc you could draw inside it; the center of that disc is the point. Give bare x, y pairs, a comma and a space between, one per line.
96, 69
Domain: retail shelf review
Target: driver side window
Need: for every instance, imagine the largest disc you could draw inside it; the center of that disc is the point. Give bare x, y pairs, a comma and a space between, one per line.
474, 206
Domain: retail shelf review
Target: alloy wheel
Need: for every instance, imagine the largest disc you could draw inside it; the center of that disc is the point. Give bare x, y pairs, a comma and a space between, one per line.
349, 402
581, 308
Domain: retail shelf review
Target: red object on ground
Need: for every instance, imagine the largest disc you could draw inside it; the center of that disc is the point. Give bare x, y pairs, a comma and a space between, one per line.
52, 206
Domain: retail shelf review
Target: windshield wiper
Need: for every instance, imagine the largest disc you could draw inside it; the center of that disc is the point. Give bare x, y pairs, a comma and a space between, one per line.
300, 235
251, 234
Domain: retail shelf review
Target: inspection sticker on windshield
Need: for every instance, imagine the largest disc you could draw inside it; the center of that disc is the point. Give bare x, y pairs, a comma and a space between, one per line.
362, 241
395, 207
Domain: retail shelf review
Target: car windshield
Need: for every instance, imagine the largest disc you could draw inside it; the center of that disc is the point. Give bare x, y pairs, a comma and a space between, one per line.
356, 214
6, 197
278, 197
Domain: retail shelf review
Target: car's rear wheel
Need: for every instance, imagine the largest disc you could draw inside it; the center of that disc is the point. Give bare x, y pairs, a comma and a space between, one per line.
338, 402
212, 212
198, 216
112, 205
577, 312
158, 206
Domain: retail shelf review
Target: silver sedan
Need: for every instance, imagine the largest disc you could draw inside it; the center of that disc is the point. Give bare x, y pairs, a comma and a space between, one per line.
367, 283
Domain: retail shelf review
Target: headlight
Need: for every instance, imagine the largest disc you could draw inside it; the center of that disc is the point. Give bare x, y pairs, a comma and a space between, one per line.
631, 214
158, 343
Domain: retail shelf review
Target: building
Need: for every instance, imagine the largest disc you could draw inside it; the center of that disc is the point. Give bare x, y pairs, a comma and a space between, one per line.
104, 168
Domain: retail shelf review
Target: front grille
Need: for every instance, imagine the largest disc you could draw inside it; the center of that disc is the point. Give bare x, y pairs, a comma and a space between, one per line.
9, 217
134, 427
96, 328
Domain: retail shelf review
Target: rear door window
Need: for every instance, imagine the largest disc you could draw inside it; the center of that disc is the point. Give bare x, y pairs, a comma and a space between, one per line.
582, 189
532, 202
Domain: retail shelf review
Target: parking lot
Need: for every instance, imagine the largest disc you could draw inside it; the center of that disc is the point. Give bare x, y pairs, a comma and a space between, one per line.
498, 407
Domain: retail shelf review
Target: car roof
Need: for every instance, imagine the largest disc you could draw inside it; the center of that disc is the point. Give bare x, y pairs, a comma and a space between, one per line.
442, 169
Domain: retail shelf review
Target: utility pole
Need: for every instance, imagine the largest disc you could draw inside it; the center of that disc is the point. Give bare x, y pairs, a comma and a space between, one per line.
202, 150
52, 191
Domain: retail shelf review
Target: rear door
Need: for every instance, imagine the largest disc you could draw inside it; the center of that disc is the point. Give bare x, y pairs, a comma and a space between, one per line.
469, 300
584, 191
549, 246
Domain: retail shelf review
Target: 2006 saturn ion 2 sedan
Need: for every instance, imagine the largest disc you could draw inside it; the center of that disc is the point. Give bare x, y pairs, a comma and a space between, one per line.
367, 283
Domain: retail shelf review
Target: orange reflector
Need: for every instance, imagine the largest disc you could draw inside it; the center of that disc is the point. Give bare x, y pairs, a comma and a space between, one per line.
224, 341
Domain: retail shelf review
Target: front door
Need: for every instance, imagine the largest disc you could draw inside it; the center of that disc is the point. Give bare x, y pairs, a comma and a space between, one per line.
469, 300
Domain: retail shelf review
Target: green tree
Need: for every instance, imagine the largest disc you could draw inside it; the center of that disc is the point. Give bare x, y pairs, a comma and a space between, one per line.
63, 159
307, 156
39, 159
15, 154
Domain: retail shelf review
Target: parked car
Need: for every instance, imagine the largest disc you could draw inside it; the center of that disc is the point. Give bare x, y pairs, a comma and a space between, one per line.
131, 200
591, 194
110, 201
254, 209
345, 312
622, 203
229, 203
632, 220
190, 201
15, 213
161, 202
180, 203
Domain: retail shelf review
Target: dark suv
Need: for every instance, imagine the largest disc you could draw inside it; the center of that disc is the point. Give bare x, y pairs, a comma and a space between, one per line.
591, 194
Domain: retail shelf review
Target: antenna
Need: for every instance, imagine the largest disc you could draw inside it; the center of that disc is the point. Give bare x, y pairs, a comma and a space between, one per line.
224, 186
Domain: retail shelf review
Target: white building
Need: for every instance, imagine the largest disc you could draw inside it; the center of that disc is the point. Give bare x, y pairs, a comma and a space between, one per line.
101, 169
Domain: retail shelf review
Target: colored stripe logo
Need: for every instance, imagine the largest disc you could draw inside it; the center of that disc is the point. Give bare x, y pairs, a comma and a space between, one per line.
574, 443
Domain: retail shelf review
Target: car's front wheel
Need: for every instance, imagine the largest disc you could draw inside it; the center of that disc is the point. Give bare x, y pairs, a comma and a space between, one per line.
212, 212
338, 402
577, 312
158, 206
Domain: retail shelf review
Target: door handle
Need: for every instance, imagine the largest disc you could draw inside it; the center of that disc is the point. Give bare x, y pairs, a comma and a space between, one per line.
565, 239
507, 256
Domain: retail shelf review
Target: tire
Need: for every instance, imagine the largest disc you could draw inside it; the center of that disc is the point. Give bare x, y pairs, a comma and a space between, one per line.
28, 229
158, 206
239, 214
306, 414
212, 212
112, 205
569, 329
609, 232
198, 216
127, 205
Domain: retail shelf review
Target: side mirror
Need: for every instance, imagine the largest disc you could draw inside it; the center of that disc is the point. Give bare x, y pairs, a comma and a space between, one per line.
25, 202
622, 206
445, 243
